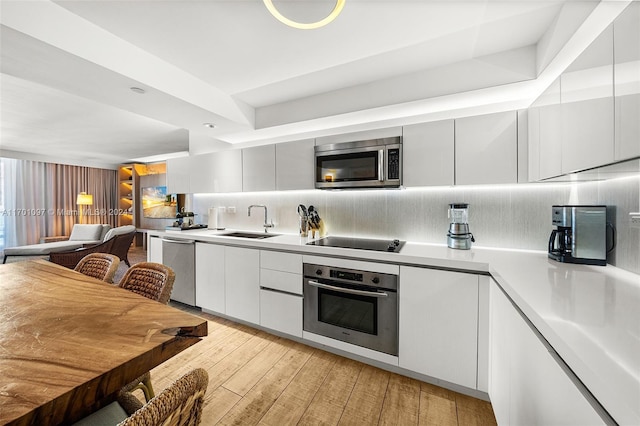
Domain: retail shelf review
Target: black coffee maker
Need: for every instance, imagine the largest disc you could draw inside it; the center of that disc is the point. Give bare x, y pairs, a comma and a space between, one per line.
580, 234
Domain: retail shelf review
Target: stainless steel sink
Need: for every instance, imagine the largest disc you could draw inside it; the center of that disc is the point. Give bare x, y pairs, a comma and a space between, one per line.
252, 235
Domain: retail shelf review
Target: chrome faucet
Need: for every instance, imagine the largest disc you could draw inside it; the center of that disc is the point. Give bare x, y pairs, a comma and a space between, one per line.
266, 225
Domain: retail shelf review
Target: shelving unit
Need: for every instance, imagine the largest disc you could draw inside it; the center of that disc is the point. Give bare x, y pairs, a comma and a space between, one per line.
128, 194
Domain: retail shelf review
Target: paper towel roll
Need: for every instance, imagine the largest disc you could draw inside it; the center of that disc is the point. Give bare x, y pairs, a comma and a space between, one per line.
213, 218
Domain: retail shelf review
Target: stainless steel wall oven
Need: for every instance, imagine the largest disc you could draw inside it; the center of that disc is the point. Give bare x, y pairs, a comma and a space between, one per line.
357, 307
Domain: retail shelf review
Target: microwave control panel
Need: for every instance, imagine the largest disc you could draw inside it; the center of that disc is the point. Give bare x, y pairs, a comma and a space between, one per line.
393, 168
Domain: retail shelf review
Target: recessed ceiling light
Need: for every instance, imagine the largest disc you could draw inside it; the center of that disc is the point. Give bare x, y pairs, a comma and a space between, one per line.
209, 125
138, 90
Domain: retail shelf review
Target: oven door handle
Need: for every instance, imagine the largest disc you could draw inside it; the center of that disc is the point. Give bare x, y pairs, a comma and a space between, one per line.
348, 290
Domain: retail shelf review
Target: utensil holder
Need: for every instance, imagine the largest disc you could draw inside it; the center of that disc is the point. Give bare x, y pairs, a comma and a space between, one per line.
304, 226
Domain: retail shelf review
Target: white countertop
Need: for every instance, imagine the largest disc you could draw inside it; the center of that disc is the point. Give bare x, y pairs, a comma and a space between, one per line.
589, 314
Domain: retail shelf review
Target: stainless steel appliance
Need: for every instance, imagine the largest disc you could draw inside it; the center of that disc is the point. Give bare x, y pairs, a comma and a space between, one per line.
459, 236
353, 306
392, 246
375, 163
180, 255
580, 234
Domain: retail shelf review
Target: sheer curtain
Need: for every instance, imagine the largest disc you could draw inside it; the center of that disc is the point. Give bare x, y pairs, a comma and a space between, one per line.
40, 199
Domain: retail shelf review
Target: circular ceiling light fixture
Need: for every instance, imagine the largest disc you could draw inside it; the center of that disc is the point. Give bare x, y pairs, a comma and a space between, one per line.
302, 26
138, 90
209, 125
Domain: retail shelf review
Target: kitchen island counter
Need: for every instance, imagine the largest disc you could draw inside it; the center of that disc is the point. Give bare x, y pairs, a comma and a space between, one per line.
588, 314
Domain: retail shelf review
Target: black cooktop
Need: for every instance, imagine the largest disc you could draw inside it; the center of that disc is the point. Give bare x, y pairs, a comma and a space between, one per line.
391, 246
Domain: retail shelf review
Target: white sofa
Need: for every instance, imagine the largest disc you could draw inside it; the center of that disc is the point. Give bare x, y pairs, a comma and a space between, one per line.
81, 235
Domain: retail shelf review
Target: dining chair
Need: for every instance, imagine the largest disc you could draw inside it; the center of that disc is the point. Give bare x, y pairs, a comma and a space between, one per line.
102, 266
153, 281
179, 404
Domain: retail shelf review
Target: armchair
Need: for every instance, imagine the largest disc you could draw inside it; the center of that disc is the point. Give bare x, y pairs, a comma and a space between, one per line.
117, 242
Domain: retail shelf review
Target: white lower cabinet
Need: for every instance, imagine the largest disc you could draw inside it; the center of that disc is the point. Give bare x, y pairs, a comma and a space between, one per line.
210, 277
242, 283
438, 330
527, 386
154, 249
281, 292
281, 312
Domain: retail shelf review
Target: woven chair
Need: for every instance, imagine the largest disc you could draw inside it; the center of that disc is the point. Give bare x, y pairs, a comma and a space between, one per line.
179, 404
153, 281
118, 245
102, 266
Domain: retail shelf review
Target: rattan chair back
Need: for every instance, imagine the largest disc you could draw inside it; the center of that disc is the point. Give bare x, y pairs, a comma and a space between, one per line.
121, 245
102, 266
151, 280
179, 404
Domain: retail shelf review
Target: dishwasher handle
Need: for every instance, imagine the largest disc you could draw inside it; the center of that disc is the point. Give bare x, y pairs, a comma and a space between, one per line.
166, 240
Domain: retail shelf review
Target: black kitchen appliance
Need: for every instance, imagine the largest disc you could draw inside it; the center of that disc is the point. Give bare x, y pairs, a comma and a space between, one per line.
391, 246
580, 234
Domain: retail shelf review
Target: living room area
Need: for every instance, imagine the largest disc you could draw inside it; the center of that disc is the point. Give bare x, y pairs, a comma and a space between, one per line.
62, 212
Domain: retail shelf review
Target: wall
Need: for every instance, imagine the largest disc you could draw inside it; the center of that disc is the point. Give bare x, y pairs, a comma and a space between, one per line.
513, 216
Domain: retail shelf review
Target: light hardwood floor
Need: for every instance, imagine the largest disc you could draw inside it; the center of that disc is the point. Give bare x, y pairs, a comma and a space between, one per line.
256, 378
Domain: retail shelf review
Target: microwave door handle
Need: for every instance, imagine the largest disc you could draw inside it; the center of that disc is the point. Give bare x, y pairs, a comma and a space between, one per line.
348, 290
381, 165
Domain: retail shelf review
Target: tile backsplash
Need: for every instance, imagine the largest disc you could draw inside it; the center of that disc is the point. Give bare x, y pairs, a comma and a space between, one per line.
511, 216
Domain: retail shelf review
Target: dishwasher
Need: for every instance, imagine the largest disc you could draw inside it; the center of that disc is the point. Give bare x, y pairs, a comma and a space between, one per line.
180, 255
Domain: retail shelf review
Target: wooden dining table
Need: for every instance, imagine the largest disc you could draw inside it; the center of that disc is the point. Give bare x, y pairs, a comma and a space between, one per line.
69, 342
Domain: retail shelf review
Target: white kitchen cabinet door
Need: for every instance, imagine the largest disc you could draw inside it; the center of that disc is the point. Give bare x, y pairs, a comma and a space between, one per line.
545, 134
534, 144
295, 166
438, 314
427, 154
587, 107
210, 277
154, 249
486, 149
259, 168
527, 385
242, 283
202, 173
178, 175
279, 261
364, 135
227, 171
550, 144
281, 312
626, 47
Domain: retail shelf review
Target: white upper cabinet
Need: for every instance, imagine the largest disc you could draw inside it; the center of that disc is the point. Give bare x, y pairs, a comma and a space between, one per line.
486, 149
227, 167
428, 154
179, 175
586, 93
545, 135
626, 48
259, 168
294, 165
389, 132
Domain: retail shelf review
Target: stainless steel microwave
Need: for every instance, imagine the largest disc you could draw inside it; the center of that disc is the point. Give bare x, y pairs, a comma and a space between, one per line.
375, 163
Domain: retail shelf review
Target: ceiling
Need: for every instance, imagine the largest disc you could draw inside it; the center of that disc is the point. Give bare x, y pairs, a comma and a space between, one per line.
68, 66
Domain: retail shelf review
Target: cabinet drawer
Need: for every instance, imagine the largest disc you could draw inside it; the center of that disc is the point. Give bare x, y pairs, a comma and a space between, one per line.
283, 281
281, 312
277, 261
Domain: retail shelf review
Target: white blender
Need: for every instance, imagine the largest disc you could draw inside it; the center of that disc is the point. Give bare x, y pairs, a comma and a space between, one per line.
459, 236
